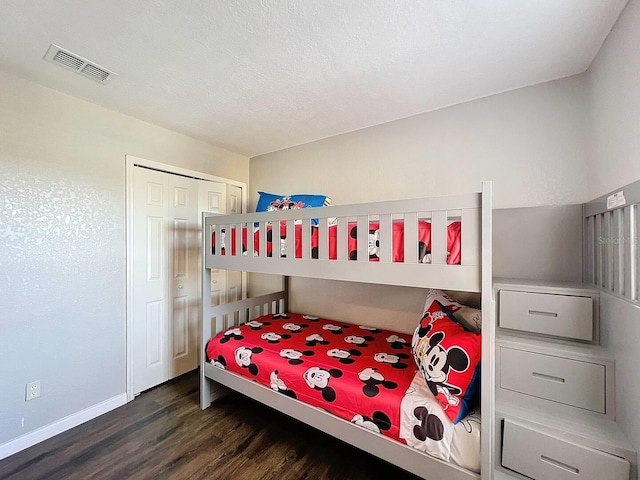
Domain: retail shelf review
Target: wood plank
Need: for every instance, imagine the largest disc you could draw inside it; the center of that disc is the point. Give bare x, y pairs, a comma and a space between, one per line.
471, 225
386, 239
163, 434
342, 239
439, 237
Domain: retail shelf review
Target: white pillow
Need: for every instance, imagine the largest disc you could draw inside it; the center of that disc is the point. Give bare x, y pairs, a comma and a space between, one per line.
469, 318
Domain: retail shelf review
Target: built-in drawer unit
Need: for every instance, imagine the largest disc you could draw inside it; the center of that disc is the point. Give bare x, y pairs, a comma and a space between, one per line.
540, 455
576, 383
567, 316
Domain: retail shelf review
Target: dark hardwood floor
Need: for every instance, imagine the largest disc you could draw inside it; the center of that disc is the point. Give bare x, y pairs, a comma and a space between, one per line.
163, 434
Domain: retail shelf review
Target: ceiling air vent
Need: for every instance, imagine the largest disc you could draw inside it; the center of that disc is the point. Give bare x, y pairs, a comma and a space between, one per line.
74, 62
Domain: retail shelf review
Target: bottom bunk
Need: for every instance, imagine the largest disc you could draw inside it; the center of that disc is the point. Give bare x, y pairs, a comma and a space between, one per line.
357, 383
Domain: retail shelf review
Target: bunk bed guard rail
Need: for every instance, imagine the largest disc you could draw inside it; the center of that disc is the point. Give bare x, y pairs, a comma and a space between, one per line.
610, 242
236, 236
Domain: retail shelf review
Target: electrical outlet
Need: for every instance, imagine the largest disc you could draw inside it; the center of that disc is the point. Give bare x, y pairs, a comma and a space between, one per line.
33, 390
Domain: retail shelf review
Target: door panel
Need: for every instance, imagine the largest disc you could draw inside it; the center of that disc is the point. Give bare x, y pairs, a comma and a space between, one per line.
234, 199
213, 197
218, 287
149, 357
155, 249
155, 338
234, 286
180, 331
184, 254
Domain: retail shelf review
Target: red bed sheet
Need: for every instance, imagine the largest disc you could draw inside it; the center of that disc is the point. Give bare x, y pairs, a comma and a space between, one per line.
357, 373
424, 242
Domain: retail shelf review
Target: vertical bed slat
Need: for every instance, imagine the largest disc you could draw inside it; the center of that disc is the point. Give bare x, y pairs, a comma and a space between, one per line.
589, 250
207, 240
634, 241
291, 240
205, 305
228, 239
599, 248
250, 245
608, 250
470, 236
628, 252
323, 239
219, 242
277, 243
439, 237
411, 237
218, 323
306, 238
342, 238
238, 229
385, 251
617, 250
263, 239
363, 238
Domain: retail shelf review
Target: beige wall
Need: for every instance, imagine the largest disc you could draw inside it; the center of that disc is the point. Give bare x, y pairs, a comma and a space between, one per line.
530, 142
614, 103
62, 246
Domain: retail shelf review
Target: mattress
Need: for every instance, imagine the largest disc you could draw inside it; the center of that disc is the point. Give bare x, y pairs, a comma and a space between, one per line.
361, 374
424, 241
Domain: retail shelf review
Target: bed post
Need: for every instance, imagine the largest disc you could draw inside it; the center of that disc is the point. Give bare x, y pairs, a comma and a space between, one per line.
488, 338
205, 317
285, 289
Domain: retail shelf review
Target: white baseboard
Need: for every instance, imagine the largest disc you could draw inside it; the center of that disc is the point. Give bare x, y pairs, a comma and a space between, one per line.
29, 439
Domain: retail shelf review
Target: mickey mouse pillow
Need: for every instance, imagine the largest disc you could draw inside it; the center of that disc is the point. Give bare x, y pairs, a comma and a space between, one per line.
271, 201
447, 356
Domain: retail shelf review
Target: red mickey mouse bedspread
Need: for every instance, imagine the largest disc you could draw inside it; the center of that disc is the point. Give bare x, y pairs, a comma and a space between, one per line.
424, 241
361, 374
357, 373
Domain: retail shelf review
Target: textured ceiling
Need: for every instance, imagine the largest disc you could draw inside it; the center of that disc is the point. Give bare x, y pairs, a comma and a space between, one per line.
258, 76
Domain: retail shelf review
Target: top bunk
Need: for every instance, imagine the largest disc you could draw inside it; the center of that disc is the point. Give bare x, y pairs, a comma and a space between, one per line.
428, 242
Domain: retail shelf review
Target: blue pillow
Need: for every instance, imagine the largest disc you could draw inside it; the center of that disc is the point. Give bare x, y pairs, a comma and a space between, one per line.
471, 397
270, 202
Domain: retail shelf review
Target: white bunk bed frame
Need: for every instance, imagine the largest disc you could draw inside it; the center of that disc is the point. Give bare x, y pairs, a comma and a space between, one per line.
472, 275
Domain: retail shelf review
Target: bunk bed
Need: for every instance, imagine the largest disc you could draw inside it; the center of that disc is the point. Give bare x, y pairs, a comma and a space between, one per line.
335, 243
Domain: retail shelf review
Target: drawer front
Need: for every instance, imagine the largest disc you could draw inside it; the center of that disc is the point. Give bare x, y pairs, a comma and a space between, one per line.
558, 315
542, 456
571, 382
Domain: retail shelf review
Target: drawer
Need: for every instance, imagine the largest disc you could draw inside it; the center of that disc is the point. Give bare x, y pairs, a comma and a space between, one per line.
565, 316
539, 455
577, 383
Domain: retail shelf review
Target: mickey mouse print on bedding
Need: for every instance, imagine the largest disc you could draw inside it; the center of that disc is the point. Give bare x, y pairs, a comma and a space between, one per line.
361, 374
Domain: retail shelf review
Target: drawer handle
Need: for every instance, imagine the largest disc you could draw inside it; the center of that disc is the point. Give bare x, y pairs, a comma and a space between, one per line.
540, 313
550, 378
561, 465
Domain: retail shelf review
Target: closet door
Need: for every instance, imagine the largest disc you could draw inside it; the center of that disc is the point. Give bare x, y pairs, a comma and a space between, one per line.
150, 277
184, 279
166, 262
